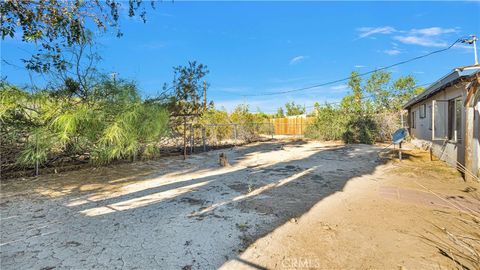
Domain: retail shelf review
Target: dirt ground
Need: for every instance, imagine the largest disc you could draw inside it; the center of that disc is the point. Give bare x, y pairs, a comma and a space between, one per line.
280, 205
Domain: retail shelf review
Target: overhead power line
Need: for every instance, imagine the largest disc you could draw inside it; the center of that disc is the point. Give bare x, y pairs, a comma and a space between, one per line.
372, 95
338, 102
358, 75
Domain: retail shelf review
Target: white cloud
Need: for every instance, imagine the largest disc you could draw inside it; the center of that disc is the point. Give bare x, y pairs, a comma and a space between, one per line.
297, 59
425, 41
368, 31
432, 31
392, 52
359, 66
427, 37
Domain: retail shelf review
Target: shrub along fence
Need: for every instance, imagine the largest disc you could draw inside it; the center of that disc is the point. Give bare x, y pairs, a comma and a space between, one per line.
197, 138
366, 128
194, 137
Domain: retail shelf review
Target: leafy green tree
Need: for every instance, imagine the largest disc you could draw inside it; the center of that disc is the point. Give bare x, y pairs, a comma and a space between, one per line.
55, 25
188, 87
379, 93
353, 102
280, 113
403, 89
294, 109
390, 96
357, 119
377, 87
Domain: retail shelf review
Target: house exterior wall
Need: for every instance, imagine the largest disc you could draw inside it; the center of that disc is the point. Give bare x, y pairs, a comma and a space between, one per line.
476, 138
472, 132
449, 151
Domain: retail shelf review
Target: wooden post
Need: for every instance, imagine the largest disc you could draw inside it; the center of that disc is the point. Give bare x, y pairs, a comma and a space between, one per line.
235, 134
431, 154
468, 141
469, 108
192, 139
204, 135
184, 138
400, 151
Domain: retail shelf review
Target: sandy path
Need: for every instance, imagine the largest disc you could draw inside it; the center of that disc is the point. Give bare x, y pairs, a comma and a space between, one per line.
174, 214
378, 221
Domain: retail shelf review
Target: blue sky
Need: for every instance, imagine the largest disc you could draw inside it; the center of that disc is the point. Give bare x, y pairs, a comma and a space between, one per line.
256, 47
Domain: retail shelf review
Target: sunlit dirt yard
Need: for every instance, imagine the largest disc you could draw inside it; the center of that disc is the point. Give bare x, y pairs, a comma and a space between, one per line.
285, 204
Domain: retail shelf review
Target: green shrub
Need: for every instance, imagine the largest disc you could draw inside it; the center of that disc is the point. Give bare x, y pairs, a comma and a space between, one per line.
112, 123
217, 125
330, 124
335, 123
220, 125
361, 129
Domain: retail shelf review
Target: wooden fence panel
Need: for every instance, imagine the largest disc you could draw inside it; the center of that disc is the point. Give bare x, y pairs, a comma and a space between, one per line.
291, 125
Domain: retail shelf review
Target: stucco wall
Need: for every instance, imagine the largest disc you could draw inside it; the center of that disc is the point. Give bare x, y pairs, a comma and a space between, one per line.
476, 138
449, 151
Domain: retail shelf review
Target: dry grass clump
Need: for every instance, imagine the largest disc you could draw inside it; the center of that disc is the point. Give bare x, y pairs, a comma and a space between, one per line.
459, 241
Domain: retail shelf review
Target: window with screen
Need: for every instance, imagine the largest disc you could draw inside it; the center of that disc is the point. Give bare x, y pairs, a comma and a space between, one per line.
423, 111
447, 119
440, 119
458, 119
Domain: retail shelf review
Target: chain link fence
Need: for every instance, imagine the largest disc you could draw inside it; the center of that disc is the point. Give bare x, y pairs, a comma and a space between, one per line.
197, 138
201, 138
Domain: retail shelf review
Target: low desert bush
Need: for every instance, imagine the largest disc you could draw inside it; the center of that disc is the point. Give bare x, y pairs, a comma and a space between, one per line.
335, 123
113, 122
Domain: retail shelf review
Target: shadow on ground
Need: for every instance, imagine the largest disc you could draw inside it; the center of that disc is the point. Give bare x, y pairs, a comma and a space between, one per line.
169, 213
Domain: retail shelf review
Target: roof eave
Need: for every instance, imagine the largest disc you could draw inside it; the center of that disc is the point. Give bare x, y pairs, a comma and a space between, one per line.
442, 83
